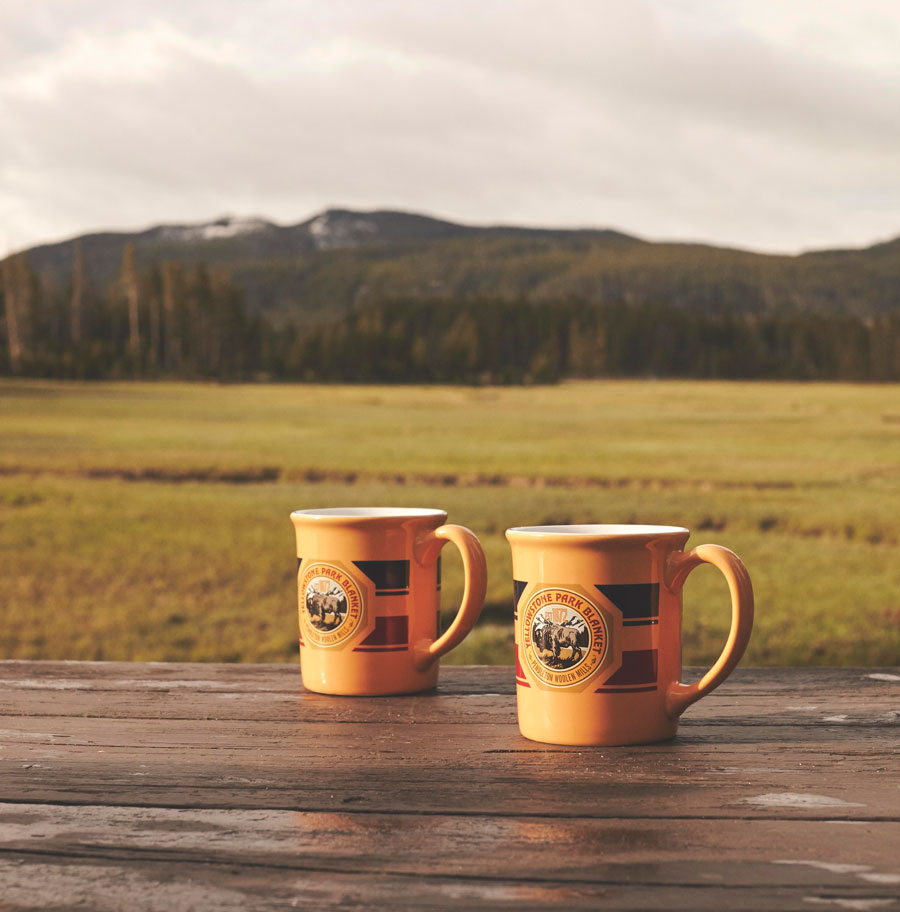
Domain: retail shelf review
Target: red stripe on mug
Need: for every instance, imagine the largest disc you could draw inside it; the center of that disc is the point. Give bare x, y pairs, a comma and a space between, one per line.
639, 666
389, 631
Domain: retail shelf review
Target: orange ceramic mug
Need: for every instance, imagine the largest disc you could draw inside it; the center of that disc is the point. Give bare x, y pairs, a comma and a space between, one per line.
598, 630
369, 583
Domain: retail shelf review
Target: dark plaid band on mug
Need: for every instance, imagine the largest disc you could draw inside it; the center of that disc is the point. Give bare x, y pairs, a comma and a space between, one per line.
391, 577
518, 588
639, 666
391, 634
521, 680
638, 602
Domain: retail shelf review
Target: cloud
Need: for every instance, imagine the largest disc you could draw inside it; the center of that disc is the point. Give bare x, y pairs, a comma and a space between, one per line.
754, 124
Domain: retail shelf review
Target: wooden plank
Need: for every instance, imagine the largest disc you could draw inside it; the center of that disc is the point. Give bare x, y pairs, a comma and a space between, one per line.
182, 859
678, 852
120, 690
210, 677
769, 710
103, 885
720, 770
285, 678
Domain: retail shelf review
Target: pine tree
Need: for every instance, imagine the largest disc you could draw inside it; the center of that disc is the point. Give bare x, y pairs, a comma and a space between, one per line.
171, 340
153, 307
12, 289
75, 302
130, 284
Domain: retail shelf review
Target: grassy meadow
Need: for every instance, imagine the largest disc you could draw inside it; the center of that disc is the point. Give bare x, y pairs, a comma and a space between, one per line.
150, 521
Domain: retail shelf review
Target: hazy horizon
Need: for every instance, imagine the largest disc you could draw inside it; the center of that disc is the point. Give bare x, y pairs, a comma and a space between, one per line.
495, 223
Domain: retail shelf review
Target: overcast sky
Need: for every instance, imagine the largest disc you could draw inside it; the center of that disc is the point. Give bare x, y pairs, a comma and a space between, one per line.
771, 124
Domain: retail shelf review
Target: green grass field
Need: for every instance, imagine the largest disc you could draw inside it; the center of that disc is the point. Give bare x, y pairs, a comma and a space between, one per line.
150, 521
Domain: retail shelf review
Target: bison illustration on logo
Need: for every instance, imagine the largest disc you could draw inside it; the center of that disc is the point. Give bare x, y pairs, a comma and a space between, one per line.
561, 637
326, 603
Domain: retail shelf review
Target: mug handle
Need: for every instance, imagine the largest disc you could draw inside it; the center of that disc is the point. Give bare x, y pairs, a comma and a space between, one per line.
680, 696
475, 568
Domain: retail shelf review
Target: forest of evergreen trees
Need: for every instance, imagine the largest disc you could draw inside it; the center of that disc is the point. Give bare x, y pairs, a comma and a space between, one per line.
171, 320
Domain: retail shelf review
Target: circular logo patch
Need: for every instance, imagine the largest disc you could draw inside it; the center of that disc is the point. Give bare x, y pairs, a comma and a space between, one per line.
331, 604
564, 636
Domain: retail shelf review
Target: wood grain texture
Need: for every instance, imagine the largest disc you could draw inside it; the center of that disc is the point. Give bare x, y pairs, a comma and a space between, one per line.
227, 786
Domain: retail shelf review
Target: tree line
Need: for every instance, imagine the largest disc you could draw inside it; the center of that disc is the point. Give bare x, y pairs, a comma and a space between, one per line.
188, 321
528, 342
168, 320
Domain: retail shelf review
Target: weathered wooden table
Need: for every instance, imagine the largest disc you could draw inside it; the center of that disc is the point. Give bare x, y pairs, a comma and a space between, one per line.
170, 787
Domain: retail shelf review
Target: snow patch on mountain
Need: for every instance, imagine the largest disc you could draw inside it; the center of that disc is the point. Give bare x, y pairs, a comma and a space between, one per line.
331, 230
225, 227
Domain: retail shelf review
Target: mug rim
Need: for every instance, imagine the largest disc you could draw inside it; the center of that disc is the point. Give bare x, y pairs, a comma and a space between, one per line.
352, 514
593, 531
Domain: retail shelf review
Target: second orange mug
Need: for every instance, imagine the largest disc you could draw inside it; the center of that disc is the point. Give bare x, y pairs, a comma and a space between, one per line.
598, 630
369, 584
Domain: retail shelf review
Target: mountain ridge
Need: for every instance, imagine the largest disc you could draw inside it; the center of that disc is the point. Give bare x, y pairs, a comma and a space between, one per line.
340, 259
229, 224
354, 226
